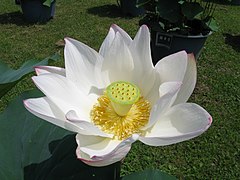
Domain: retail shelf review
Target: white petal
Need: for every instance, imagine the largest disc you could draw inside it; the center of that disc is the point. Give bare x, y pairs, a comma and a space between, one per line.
45, 109
65, 94
189, 81
97, 151
107, 42
110, 37
127, 39
96, 146
182, 122
50, 69
153, 95
172, 67
144, 76
169, 92
84, 127
140, 48
118, 61
80, 61
168, 87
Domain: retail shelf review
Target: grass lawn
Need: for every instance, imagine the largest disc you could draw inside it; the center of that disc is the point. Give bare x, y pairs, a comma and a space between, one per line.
213, 155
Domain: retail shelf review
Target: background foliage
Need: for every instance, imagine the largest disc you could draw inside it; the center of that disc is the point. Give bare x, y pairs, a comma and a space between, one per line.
215, 154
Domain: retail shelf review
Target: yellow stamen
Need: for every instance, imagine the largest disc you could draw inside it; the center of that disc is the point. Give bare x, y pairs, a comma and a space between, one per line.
104, 116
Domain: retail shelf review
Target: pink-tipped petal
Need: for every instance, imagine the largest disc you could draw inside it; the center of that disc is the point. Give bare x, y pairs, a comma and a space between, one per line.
50, 69
65, 94
47, 110
98, 152
182, 122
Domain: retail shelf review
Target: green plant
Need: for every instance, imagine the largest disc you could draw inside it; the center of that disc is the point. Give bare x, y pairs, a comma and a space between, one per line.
190, 17
47, 2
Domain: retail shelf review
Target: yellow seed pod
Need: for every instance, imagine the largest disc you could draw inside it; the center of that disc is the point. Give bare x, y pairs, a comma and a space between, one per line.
122, 95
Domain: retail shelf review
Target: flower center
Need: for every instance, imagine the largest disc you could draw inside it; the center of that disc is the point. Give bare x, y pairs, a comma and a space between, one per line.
122, 96
121, 111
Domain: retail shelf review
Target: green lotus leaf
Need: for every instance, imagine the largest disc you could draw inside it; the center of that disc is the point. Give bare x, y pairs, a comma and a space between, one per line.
9, 77
149, 174
24, 138
191, 9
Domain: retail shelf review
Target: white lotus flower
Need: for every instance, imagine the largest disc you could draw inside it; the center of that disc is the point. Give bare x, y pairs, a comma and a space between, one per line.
115, 97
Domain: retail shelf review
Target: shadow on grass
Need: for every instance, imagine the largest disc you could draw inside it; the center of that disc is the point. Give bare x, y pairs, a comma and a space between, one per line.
12, 18
233, 40
221, 2
64, 165
112, 11
16, 18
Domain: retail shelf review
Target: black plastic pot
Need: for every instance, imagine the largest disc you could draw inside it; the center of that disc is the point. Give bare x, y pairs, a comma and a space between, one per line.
34, 11
17, 2
164, 44
235, 2
128, 7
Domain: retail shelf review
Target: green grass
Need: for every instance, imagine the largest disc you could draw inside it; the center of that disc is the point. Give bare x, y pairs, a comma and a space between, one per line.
215, 154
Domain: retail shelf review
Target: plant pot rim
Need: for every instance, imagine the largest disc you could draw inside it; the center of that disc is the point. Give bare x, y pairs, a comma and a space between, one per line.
194, 36
35, 0
186, 36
